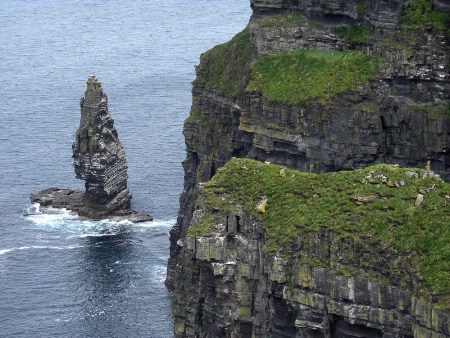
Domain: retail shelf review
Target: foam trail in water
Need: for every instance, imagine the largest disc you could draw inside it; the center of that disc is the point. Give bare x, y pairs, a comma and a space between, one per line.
159, 273
40, 247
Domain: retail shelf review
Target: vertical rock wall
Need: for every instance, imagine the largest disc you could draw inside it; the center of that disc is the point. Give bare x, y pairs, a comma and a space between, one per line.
98, 156
378, 122
228, 286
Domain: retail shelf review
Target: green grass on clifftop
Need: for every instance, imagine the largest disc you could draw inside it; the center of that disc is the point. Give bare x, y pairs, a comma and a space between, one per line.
374, 204
225, 67
295, 77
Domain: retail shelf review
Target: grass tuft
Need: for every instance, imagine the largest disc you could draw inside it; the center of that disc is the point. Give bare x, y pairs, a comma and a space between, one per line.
354, 33
282, 20
435, 109
421, 15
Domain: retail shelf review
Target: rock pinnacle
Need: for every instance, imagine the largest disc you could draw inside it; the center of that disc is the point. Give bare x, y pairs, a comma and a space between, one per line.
98, 156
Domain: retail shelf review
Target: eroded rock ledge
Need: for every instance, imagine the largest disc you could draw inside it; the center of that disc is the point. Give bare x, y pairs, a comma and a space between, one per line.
99, 159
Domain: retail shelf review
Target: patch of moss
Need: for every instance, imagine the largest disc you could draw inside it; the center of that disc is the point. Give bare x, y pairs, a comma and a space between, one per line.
374, 205
354, 33
368, 107
295, 77
206, 225
421, 15
195, 116
225, 67
435, 109
361, 8
282, 20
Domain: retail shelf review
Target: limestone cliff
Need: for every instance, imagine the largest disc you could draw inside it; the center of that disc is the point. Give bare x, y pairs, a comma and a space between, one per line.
349, 254
320, 86
98, 155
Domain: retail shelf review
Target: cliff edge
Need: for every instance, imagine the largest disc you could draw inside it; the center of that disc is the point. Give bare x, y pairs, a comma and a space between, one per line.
274, 252
318, 86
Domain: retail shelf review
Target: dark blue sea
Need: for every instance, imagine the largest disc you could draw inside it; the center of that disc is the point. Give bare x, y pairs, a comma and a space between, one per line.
61, 277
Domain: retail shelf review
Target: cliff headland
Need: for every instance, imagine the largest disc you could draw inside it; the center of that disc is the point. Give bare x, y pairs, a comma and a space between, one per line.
317, 87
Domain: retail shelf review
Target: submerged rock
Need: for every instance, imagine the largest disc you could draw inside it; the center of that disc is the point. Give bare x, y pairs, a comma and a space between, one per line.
99, 159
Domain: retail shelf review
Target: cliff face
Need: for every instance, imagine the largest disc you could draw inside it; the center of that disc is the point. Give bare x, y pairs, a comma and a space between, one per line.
298, 270
98, 155
318, 87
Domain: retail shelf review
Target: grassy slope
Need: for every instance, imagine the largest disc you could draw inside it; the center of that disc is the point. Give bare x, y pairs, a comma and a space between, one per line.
374, 211
292, 78
296, 77
225, 67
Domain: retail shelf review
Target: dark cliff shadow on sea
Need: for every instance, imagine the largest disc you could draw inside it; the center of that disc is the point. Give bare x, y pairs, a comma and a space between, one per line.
107, 267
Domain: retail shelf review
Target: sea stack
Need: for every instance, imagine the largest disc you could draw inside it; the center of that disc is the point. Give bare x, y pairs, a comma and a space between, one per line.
99, 160
98, 155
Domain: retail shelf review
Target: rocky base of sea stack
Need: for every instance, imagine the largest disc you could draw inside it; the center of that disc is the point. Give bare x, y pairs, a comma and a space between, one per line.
85, 206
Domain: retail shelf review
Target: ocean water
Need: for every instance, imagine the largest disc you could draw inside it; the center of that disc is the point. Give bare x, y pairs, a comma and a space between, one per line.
60, 276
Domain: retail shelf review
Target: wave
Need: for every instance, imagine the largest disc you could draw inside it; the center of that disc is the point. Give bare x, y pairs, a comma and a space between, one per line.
40, 247
159, 273
32, 210
157, 223
67, 221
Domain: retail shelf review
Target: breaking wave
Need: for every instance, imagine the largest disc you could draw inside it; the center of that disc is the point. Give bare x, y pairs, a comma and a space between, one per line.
69, 222
40, 247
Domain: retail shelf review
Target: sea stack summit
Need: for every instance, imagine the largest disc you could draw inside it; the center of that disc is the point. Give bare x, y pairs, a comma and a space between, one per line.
98, 155
99, 159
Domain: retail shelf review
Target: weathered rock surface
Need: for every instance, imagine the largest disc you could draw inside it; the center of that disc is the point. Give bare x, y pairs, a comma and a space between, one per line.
98, 155
83, 205
99, 159
325, 283
378, 122
228, 287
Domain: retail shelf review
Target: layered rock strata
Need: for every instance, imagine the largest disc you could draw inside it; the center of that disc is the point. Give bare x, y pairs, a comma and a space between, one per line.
400, 116
380, 121
98, 155
342, 281
99, 159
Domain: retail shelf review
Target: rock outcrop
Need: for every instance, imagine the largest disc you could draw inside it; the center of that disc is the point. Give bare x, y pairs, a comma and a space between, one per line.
99, 159
98, 155
399, 114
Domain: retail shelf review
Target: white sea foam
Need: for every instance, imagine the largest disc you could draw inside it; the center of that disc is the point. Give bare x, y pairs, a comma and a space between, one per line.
40, 247
159, 273
3, 251
67, 221
157, 224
